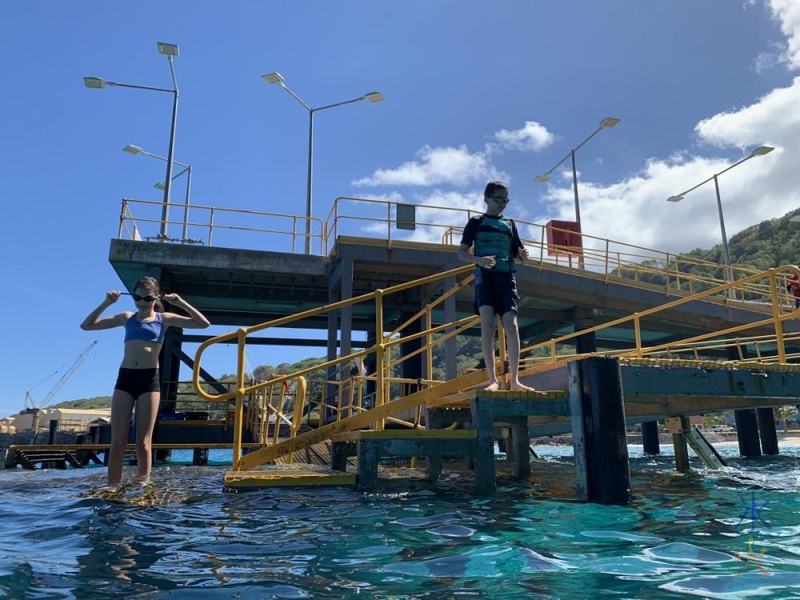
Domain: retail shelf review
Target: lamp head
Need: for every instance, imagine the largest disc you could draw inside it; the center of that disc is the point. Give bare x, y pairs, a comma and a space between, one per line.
674, 198
374, 97
168, 49
609, 122
160, 186
273, 78
543, 178
762, 150
96, 83
131, 149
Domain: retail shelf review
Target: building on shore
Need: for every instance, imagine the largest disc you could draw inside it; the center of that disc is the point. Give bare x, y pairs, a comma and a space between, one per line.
67, 419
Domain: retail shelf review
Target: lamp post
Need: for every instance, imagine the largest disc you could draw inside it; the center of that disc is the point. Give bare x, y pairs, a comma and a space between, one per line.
170, 50
760, 151
608, 122
278, 78
131, 149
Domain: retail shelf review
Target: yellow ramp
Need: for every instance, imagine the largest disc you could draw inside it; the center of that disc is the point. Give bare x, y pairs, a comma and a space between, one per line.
361, 420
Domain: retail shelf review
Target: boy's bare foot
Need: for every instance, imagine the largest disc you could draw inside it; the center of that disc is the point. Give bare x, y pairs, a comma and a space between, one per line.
518, 387
492, 387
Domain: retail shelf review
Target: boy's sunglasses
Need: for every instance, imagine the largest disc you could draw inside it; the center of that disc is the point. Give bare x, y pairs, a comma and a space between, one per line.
138, 298
500, 199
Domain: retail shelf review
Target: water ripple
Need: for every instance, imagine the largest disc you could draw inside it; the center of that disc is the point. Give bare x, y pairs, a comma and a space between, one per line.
183, 537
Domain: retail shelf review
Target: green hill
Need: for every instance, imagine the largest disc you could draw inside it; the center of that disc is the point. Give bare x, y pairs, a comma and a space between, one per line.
86, 403
772, 243
769, 244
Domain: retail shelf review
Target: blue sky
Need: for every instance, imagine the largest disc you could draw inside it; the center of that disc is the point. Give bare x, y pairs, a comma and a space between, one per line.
474, 90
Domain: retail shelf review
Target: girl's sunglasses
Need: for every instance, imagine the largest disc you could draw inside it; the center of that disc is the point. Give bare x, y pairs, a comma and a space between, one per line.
138, 298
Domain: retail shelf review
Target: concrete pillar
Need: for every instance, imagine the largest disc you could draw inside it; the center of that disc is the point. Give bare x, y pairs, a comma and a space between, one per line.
746, 423
433, 420
650, 443
680, 445
367, 465
587, 342
765, 417
339, 456
747, 432
519, 447
200, 456
483, 422
601, 450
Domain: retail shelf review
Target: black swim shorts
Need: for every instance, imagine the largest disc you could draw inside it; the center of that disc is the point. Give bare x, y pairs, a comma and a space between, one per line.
497, 289
138, 381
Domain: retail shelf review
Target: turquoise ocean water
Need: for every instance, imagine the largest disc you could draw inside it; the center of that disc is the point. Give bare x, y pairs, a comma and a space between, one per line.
728, 534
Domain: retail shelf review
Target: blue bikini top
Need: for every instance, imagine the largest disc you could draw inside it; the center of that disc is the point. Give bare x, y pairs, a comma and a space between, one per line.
152, 332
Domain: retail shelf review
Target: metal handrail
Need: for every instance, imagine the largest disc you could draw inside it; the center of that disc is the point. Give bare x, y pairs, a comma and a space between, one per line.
241, 222
612, 260
776, 320
353, 405
381, 350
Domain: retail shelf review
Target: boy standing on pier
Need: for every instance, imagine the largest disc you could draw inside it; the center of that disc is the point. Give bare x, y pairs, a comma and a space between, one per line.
496, 245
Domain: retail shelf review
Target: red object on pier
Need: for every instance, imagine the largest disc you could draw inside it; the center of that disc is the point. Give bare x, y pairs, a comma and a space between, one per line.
564, 238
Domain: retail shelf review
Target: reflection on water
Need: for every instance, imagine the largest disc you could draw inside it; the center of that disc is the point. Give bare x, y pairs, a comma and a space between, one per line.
728, 534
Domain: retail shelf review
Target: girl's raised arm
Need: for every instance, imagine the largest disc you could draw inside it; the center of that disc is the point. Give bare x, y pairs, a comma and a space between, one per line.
195, 320
94, 322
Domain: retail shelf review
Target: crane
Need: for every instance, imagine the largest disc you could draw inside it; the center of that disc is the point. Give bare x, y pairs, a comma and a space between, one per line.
69, 372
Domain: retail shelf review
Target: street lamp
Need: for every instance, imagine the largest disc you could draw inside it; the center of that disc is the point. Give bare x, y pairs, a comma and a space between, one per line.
278, 78
131, 149
760, 151
608, 122
97, 83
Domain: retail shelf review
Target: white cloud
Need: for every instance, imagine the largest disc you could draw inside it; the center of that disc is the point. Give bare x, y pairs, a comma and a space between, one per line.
634, 210
457, 165
532, 136
765, 121
765, 61
437, 166
787, 13
440, 215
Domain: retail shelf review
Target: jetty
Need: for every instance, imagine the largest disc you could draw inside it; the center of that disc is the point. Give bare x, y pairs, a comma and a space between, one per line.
613, 334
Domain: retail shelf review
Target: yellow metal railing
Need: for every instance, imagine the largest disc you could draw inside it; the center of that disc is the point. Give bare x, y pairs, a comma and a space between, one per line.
611, 260
349, 399
556, 351
640, 266
232, 228
267, 408
353, 402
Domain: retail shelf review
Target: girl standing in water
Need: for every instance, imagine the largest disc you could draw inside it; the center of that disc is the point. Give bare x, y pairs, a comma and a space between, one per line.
138, 381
